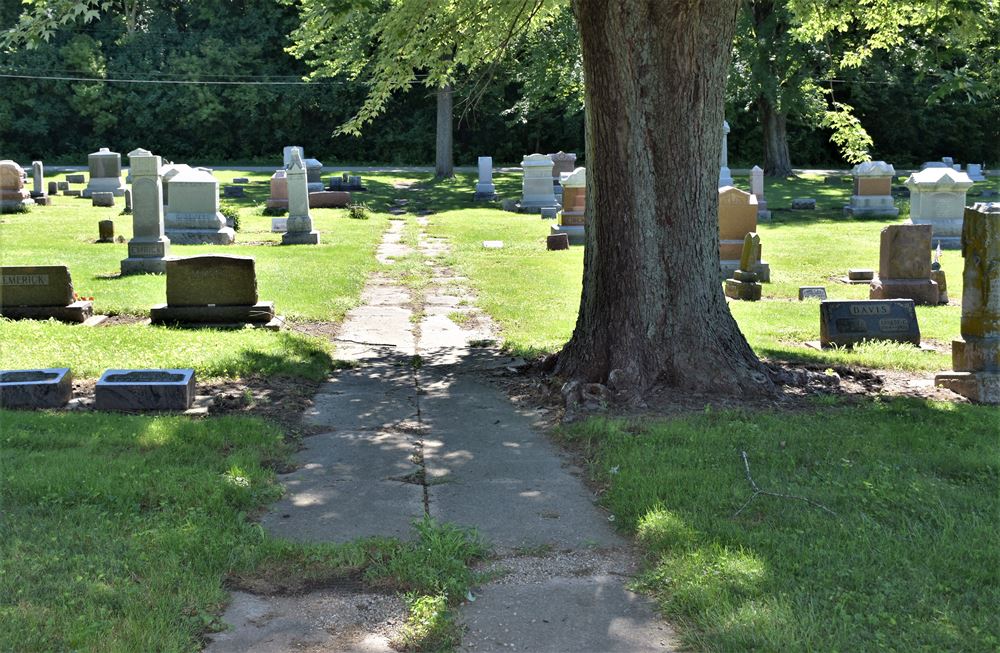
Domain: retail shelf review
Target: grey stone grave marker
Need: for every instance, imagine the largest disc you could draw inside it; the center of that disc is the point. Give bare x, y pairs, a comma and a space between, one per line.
812, 292
845, 323
128, 390
42, 388
40, 292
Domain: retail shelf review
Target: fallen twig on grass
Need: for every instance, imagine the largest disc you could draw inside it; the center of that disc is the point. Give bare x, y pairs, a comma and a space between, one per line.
757, 491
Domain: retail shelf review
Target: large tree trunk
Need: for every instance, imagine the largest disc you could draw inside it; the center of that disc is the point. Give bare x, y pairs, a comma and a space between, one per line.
777, 162
444, 163
652, 308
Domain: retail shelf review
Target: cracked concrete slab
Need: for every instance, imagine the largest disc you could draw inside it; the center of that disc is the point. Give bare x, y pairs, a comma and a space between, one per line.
588, 614
331, 620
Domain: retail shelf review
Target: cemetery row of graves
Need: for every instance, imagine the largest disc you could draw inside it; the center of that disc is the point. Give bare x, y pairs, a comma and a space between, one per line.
105, 276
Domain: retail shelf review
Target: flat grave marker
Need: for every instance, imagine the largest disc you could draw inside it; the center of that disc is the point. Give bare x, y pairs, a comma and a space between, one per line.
845, 323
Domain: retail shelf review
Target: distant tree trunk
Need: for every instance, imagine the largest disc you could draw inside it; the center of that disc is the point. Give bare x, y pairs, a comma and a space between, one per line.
652, 308
444, 164
777, 162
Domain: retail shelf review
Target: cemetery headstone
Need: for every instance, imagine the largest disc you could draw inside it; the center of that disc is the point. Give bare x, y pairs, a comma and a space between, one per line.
53, 188
279, 225
860, 275
948, 161
241, 180
757, 189
803, 204
13, 194
106, 231
62, 185
128, 200
212, 289
555, 242
149, 247
279, 190
744, 286
844, 323
725, 176
102, 198
136, 390
73, 192
933, 164
40, 292
329, 199
811, 292
572, 218
975, 172
485, 190
299, 224
937, 198
536, 186
233, 191
105, 173
167, 174
976, 355
737, 218
37, 179
563, 164
192, 215
904, 269
872, 190
287, 154
41, 388
314, 175
76, 178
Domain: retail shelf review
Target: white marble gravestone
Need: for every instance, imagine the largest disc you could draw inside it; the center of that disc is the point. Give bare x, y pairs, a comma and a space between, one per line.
757, 190
287, 154
485, 190
149, 246
975, 172
105, 173
725, 176
536, 190
37, 179
299, 224
193, 210
937, 198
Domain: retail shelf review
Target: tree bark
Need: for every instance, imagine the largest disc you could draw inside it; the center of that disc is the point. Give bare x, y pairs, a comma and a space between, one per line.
777, 162
652, 308
444, 163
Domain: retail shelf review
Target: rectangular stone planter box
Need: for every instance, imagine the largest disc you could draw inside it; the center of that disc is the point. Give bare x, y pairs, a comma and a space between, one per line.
132, 390
42, 388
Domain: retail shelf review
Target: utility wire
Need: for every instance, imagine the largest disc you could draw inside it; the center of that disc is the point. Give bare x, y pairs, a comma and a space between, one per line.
167, 81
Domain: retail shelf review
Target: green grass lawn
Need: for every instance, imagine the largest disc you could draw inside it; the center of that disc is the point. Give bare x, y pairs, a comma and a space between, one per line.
534, 294
120, 533
910, 561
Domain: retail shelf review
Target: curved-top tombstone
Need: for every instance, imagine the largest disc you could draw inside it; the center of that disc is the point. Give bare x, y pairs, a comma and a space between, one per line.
105, 169
13, 194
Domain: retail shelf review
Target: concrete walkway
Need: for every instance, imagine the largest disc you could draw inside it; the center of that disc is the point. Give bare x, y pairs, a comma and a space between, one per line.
419, 429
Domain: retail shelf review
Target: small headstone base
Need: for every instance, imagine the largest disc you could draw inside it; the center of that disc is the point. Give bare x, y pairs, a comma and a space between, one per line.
143, 266
980, 387
43, 388
575, 233
743, 290
77, 312
921, 291
261, 312
223, 236
300, 238
761, 268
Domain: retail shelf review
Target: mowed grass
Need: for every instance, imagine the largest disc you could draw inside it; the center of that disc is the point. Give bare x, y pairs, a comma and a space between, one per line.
120, 533
534, 294
306, 283
909, 562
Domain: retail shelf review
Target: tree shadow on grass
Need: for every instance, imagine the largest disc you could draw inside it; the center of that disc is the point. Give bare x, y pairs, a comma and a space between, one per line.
299, 356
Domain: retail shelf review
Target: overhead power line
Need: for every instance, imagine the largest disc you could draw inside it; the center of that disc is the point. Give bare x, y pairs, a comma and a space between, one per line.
101, 80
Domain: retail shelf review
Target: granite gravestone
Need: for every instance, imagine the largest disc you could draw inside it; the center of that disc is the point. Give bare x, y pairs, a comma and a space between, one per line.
136, 390
485, 190
937, 198
212, 289
811, 292
105, 173
192, 216
872, 190
572, 217
845, 323
536, 185
41, 388
279, 190
149, 247
904, 270
329, 199
13, 194
40, 292
976, 355
299, 223
106, 231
